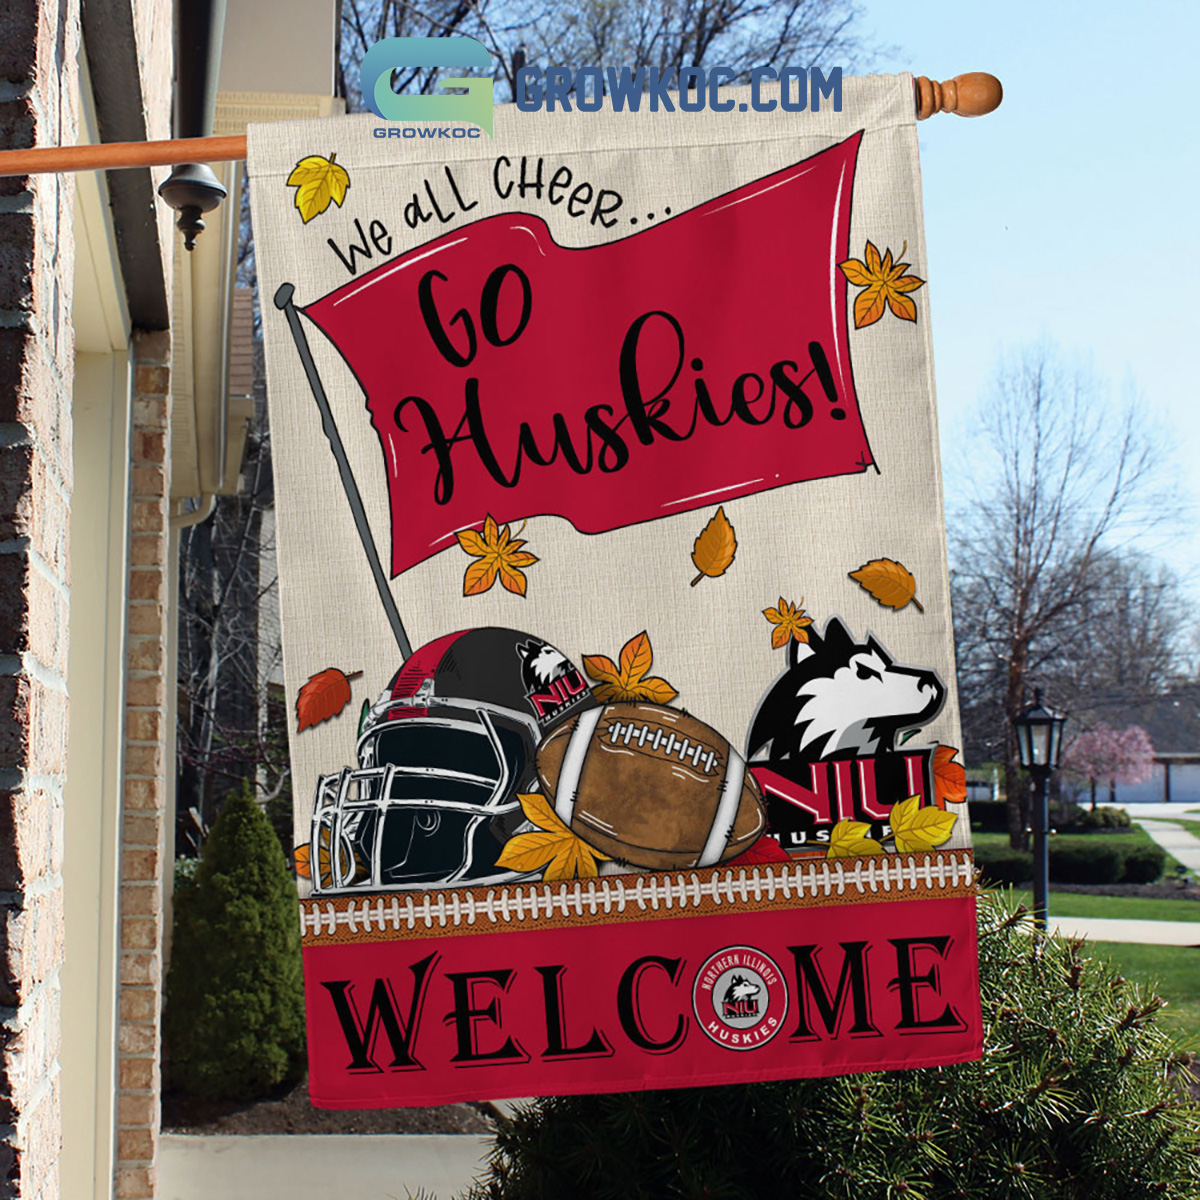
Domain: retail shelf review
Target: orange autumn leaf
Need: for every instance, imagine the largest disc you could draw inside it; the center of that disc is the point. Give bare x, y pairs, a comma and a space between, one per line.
636, 656
551, 845
888, 582
628, 682
949, 778
499, 556
790, 621
301, 857
713, 551
324, 696
886, 285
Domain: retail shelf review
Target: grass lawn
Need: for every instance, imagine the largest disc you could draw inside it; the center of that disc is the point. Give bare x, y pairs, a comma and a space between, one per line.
1133, 836
1129, 908
1126, 908
1193, 827
1176, 970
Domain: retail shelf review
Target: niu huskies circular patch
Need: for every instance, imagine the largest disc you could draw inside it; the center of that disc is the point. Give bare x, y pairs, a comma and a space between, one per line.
739, 998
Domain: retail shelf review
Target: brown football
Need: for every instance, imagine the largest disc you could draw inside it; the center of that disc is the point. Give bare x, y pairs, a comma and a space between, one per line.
651, 786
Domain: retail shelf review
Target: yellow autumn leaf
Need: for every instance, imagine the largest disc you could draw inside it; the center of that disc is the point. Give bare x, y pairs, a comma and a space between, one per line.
886, 284
552, 845
540, 812
888, 582
498, 554
628, 682
849, 840
713, 551
574, 860
917, 828
790, 621
319, 182
529, 851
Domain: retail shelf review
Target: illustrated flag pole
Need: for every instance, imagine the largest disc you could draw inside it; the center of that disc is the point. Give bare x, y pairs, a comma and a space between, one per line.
283, 301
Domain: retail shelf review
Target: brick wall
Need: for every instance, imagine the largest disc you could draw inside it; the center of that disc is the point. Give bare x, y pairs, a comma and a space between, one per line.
144, 816
38, 44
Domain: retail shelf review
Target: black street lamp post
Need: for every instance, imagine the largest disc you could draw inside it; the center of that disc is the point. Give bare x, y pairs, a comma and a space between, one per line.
1039, 744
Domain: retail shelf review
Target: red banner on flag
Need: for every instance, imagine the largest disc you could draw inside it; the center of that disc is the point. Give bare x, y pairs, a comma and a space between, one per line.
662, 999
703, 358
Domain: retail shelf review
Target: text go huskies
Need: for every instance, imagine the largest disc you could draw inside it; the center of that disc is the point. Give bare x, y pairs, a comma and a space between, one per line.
583, 90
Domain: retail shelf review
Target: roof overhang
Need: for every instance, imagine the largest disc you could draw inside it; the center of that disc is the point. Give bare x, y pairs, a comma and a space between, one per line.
111, 44
211, 407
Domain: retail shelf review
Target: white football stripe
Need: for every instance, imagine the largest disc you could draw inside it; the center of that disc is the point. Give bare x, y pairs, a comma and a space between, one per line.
727, 810
567, 787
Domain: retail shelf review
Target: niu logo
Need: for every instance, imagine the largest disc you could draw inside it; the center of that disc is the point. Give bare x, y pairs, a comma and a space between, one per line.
554, 696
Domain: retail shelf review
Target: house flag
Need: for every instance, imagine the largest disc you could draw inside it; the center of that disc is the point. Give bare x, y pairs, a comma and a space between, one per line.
615, 601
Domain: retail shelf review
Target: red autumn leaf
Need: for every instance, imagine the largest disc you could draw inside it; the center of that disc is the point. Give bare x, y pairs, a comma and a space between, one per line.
325, 695
765, 850
949, 778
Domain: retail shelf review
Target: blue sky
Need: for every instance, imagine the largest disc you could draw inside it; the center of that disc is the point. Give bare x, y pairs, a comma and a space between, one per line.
1071, 213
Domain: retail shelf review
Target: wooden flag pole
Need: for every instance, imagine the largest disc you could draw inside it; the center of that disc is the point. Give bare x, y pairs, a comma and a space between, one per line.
110, 156
972, 95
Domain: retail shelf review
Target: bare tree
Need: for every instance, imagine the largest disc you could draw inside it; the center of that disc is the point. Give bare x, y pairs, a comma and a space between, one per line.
1129, 644
230, 728
669, 34
1037, 552
364, 22
660, 34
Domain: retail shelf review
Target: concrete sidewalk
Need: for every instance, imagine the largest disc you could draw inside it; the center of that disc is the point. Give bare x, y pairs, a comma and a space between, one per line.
318, 1167
1113, 929
1174, 839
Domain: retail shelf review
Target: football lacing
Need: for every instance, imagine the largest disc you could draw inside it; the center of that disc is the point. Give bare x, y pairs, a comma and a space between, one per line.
670, 744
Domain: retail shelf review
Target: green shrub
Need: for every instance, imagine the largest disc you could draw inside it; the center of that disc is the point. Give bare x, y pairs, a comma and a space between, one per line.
1086, 862
185, 875
1104, 818
1002, 864
1074, 1097
1066, 814
1144, 864
234, 1020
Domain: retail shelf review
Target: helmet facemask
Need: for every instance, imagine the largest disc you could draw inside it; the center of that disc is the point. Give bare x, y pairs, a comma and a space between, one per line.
432, 802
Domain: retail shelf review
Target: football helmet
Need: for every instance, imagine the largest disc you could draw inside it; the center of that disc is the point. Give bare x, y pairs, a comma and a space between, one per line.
442, 756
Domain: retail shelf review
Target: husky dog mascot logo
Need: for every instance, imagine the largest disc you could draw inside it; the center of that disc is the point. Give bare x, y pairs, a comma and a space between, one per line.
825, 740
845, 699
740, 998
541, 664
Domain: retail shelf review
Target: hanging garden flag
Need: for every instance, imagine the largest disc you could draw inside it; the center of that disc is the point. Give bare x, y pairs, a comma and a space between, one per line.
615, 601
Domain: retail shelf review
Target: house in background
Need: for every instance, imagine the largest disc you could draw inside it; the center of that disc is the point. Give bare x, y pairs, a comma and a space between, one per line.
1173, 723
118, 427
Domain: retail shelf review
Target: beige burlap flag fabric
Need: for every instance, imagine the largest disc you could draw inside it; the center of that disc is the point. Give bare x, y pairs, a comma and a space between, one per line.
610, 545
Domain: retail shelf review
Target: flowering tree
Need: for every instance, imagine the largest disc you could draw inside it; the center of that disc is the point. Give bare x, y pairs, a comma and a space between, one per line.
1100, 753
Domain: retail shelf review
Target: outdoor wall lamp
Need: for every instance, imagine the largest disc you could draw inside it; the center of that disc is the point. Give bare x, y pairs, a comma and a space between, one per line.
192, 190
1039, 744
